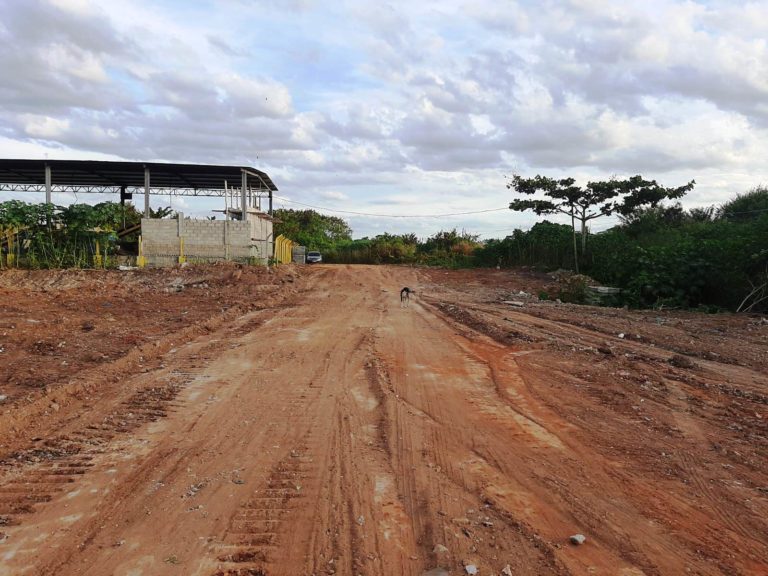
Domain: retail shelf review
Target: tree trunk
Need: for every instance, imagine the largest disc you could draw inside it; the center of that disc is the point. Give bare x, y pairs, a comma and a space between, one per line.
583, 232
575, 249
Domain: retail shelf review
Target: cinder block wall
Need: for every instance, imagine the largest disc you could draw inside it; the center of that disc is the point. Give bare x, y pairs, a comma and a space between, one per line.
203, 240
160, 241
262, 235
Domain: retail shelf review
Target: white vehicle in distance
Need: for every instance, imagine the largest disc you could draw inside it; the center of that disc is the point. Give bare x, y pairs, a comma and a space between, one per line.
314, 257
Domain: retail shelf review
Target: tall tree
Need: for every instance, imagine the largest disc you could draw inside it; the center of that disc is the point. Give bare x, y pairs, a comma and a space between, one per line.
594, 200
311, 229
745, 207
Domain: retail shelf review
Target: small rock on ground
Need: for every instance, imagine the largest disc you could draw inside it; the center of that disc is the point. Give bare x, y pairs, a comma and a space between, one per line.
578, 539
681, 361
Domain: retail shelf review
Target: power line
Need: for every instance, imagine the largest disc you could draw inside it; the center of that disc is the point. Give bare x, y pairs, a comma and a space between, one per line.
745, 212
391, 215
504, 229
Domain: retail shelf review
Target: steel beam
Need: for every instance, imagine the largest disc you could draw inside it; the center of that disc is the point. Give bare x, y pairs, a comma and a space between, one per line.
244, 194
48, 184
146, 192
98, 189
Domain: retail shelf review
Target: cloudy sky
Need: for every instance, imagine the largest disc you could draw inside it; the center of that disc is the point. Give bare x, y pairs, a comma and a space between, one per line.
396, 108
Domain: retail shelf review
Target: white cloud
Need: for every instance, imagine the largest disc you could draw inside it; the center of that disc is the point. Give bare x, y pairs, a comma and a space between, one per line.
333, 195
78, 7
419, 105
75, 62
251, 97
44, 127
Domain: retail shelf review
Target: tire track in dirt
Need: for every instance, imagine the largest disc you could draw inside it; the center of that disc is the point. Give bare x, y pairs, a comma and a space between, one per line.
692, 466
347, 517
347, 436
60, 455
417, 373
62, 459
528, 440
535, 329
254, 531
261, 526
60, 466
141, 402
658, 545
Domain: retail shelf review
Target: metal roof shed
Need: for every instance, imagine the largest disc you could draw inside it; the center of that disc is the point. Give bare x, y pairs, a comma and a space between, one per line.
102, 176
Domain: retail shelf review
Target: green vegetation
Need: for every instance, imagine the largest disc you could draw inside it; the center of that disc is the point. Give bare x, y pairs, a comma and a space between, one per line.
660, 255
310, 229
50, 236
333, 237
594, 200
745, 207
712, 258
663, 255
450, 249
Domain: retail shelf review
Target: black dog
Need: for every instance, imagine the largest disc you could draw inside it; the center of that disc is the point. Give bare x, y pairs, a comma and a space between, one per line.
405, 295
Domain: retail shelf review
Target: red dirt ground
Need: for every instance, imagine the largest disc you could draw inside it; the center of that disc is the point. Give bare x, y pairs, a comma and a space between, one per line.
222, 421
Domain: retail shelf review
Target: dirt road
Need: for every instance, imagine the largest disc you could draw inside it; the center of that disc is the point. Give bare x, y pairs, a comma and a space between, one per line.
338, 432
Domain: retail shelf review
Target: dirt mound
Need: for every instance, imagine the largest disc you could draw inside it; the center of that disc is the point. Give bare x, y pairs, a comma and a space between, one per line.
56, 324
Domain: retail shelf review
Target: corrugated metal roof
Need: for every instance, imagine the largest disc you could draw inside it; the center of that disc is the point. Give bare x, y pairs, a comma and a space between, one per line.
130, 174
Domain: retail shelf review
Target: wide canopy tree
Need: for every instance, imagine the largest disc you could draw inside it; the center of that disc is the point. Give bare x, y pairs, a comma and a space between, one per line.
592, 201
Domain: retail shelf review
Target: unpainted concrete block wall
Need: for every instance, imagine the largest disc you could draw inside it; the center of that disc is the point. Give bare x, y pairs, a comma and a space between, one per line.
203, 240
262, 236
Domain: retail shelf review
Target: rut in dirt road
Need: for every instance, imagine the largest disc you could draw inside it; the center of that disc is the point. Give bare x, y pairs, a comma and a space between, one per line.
348, 434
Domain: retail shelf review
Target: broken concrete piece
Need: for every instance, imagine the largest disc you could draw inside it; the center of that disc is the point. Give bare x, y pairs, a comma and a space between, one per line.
578, 539
470, 569
439, 549
514, 303
507, 570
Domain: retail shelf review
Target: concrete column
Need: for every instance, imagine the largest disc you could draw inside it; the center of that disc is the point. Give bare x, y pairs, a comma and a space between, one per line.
48, 184
270, 202
226, 239
146, 192
244, 194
